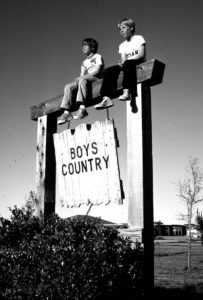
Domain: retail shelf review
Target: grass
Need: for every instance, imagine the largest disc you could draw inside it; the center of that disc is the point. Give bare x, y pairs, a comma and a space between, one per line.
171, 276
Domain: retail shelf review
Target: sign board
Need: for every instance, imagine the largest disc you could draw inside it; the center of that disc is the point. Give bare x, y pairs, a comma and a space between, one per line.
87, 165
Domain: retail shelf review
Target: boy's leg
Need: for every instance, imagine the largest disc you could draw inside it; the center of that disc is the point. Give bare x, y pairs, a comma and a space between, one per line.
130, 76
109, 87
68, 97
109, 83
67, 103
84, 91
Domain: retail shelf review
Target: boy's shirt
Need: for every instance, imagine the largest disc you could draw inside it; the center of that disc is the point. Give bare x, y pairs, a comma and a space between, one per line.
129, 48
89, 64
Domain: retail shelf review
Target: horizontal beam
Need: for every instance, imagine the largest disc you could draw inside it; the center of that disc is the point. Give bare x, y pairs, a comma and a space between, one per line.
149, 73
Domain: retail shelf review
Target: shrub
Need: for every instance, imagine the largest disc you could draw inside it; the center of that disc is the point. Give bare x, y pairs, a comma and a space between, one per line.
66, 259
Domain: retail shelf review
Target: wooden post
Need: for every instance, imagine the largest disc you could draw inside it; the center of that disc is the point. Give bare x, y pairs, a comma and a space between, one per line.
140, 177
139, 151
135, 164
45, 165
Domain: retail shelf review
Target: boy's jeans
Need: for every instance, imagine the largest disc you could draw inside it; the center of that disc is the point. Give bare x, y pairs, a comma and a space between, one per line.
111, 74
77, 91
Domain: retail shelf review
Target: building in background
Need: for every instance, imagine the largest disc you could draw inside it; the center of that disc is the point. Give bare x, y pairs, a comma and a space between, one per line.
161, 229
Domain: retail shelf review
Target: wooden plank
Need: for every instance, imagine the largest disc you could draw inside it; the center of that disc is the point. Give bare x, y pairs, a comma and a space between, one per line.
140, 178
135, 164
150, 73
45, 165
139, 149
87, 165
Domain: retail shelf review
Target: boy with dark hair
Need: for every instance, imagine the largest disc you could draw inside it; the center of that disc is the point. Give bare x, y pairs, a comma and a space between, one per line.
91, 69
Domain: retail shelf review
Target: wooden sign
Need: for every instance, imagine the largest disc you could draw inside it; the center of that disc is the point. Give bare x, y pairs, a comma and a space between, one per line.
87, 165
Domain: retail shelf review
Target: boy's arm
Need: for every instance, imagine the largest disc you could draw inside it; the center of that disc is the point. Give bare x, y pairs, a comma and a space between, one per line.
122, 60
83, 70
95, 71
140, 52
83, 73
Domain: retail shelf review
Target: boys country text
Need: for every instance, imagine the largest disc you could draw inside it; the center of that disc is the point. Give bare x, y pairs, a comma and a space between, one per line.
80, 163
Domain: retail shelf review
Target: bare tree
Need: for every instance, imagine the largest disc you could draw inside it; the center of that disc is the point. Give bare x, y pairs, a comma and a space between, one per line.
190, 192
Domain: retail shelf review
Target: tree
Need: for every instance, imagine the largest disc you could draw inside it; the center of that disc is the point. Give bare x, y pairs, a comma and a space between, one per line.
190, 192
157, 228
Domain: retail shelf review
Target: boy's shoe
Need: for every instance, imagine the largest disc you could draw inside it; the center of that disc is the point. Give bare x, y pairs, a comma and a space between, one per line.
105, 103
126, 96
81, 114
65, 117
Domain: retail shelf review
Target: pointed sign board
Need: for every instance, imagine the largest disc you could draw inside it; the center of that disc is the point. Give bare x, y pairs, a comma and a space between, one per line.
87, 165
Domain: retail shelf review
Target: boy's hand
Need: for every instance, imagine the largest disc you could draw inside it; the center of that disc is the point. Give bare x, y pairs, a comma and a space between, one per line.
80, 77
77, 79
120, 63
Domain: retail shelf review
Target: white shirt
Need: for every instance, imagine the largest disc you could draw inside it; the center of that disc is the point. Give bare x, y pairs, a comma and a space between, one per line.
89, 64
130, 48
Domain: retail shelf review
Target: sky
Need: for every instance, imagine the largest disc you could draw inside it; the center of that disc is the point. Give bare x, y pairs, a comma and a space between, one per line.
41, 51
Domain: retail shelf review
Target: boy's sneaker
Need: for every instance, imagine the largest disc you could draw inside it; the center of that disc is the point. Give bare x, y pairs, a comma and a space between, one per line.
105, 103
126, 96
81, 114
65, 117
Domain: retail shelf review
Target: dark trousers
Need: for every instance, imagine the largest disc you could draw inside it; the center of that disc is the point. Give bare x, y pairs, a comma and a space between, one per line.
111, 74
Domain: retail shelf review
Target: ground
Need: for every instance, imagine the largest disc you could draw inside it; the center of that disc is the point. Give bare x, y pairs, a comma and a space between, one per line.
171, 276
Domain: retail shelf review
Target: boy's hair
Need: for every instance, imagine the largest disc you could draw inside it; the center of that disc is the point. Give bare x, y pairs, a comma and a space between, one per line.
128, 22
92, 43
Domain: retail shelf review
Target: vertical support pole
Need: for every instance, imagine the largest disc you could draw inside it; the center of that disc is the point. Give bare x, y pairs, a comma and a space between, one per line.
140, 178
46, 165
148, 234
135, 164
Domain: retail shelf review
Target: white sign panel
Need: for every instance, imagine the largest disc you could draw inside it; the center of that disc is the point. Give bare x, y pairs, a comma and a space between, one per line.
87, 165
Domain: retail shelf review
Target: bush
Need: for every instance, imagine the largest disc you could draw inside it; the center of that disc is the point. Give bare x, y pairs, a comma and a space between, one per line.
66, 259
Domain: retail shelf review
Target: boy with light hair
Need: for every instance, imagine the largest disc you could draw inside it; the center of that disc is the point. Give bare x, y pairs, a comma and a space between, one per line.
132, 52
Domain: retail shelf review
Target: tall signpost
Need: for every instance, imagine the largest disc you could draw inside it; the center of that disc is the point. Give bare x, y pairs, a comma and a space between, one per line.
139, 157
140, 177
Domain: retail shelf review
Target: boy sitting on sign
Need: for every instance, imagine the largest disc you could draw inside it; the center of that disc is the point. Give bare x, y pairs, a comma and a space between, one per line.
91, 69
132, 52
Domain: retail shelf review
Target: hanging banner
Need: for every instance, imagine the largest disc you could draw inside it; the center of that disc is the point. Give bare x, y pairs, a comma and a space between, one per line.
87, 165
